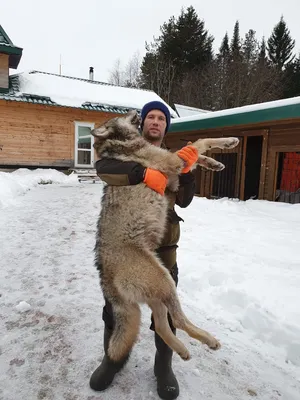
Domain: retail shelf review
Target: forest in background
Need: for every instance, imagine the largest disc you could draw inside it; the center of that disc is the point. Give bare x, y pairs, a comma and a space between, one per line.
181, 66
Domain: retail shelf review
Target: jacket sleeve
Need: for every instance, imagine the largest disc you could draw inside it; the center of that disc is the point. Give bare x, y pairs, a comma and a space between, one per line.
124, 173
186, 191
119, 173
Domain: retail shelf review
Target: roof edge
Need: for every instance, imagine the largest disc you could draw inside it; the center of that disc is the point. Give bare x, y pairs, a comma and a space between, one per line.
289, 111
8, 49
2, 30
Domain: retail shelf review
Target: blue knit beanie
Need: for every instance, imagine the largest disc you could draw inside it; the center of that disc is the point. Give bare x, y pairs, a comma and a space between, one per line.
155, 105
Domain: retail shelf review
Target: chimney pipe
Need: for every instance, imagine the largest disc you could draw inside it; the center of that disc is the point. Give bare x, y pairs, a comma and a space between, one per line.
91, 74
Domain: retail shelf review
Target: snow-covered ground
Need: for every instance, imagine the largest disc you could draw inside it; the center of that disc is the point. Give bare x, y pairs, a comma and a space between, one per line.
239, 268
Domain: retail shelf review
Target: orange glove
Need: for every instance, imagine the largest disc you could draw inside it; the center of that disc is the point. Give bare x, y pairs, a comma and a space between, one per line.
190, 155
155, 180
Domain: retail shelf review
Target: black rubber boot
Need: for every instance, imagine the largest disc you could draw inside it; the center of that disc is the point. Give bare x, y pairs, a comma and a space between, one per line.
104, 375
167, 384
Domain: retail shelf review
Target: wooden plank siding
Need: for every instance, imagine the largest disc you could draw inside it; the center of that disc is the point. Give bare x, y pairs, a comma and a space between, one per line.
4, 60
40, 135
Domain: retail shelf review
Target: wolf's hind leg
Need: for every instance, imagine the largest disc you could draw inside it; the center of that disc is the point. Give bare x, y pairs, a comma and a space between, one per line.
210, 163
162, 328
153, 281
180, 321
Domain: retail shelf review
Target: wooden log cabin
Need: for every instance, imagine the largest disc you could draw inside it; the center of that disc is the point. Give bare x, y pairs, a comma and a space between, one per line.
266, 163
45, 119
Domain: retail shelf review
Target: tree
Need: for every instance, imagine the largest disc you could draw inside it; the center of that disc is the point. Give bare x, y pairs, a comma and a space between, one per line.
128, 76
157, 72
280, 45
132, 71
183, 46
242, 78
186, 41
180, 66
219, 71
224, 49
235, 46
116, 76
235, 81
292, 79
262, 55
250, 48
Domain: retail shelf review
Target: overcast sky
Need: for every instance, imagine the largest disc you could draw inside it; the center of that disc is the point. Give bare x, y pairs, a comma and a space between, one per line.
96, 32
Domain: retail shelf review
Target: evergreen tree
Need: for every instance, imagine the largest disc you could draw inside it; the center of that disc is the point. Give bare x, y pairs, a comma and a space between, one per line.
235, 46
183, 46
250, 48
292, 79
157, 72
222, 76
234, 82
224, 49
186, 41
262, 56
180, 66
281, 45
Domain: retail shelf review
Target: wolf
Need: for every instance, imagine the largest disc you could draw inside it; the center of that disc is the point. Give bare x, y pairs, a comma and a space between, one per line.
130, 227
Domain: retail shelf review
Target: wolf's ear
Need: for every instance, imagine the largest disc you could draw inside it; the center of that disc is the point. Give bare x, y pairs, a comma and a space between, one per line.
133, 117
101, 133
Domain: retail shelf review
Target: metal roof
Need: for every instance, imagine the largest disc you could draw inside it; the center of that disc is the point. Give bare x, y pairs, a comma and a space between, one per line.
257, 113
7, 47
14, 95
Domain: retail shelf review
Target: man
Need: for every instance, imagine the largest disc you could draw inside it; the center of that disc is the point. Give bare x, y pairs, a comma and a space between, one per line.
155, 122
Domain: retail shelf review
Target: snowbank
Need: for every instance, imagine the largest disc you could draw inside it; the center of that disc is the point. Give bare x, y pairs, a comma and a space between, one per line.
250, 269
14, 184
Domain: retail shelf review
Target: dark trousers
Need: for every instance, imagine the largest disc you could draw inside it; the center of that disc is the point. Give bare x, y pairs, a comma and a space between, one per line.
107, 313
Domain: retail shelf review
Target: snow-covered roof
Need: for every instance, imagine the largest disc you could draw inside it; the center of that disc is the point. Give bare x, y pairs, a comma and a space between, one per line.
255, 113
76, 92
186, 111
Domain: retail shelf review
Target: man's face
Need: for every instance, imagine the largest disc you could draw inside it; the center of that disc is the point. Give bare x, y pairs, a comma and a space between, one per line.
154, 127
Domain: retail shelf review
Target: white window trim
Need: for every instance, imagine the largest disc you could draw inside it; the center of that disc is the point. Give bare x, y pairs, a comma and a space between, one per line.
89, 125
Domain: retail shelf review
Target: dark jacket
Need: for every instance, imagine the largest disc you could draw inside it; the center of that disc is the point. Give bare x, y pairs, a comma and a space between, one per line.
120, 173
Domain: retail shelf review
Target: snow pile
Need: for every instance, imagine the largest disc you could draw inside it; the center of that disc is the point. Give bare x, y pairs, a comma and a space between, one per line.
23, 306
239, 278
187, 111
74, 92
14, 184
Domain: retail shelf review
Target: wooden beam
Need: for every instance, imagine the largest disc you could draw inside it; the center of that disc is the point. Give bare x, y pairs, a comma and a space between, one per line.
263, 164
238, 170
243, 173
275, 174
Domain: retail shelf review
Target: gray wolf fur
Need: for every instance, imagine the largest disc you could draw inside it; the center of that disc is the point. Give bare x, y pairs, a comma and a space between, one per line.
130, 227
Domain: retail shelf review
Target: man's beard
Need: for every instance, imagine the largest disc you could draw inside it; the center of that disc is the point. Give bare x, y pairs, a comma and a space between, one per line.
151, 138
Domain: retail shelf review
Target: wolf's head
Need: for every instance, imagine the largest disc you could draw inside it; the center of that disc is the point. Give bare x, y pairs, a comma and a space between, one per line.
119, 128
116, 134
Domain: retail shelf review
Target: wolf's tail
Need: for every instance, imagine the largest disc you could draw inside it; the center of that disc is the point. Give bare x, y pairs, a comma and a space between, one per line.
126, 329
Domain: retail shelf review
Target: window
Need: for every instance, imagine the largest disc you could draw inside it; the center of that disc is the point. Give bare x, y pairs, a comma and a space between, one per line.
84, 151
